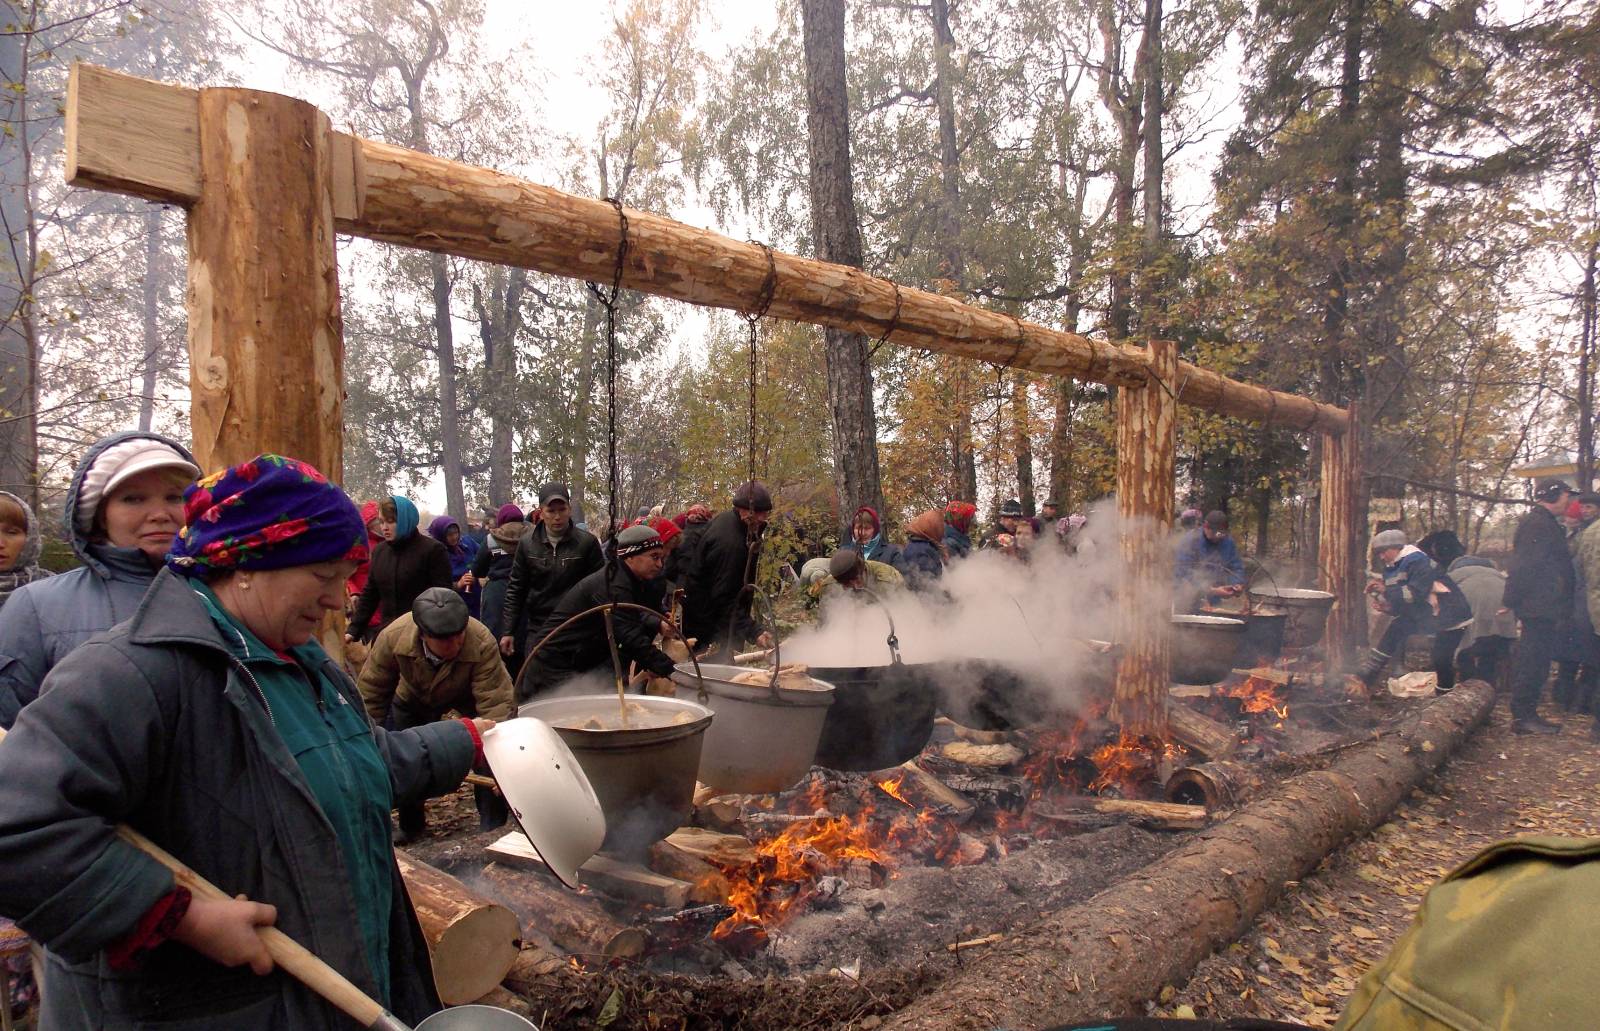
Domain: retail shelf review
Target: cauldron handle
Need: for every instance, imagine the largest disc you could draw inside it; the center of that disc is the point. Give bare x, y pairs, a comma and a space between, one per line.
894, 638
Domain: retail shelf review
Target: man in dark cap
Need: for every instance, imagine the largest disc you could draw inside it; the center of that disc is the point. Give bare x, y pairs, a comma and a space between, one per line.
634, 578
1006, 526
550, 559
1207, 565
718, 588
431, 660
1539, 589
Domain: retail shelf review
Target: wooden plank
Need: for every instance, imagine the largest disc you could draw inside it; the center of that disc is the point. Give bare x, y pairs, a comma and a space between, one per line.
134, 136
131, 135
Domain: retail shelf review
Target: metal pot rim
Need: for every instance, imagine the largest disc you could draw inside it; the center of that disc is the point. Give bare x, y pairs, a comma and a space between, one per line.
619, 739
717, 684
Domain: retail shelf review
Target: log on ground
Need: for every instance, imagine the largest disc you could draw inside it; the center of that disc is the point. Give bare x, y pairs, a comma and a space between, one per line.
1106, 956
472, 941
1201, 735
574, 923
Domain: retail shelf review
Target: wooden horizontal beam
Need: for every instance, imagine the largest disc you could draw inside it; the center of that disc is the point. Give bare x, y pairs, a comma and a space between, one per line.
139, 137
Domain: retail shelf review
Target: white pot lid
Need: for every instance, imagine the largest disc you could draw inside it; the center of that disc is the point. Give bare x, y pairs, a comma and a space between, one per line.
549, 796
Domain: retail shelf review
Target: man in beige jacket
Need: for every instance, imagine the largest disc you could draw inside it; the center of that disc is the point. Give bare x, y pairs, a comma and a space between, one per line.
434, 659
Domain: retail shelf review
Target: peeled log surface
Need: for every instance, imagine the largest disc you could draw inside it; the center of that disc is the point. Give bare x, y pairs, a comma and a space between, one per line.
130, 135
472, 941
575, 923
1201, 735
1106, 956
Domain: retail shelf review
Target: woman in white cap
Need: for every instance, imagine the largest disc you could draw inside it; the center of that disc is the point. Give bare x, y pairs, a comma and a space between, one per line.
123, 509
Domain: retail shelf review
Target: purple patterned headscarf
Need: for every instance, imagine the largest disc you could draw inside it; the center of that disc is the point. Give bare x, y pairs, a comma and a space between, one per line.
271, 512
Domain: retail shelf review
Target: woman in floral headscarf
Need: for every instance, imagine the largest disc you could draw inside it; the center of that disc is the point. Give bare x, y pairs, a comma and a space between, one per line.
214, 723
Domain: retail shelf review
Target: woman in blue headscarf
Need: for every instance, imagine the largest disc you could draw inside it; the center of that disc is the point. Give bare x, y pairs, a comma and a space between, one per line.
402, 568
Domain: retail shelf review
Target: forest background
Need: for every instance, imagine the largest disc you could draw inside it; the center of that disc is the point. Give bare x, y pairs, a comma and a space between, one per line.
1376, 201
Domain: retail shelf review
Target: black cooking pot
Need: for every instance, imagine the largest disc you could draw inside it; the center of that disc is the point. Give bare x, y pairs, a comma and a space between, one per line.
880, 717
1263, 637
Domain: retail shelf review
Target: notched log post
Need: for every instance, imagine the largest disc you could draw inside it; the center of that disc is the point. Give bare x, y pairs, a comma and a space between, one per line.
1339, 548
1147, 422
265, 344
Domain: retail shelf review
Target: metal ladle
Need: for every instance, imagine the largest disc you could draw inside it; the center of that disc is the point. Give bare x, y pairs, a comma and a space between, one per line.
300, 963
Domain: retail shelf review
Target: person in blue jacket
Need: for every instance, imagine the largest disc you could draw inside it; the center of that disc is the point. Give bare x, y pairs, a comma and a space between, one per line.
1207, 565
1423, 600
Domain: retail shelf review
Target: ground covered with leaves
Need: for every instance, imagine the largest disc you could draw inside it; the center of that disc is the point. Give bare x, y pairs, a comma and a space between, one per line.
1302, 959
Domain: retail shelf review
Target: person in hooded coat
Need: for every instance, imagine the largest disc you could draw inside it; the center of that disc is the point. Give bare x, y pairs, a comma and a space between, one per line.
123, 508
19, 546
867, 536
402, 567
462, 551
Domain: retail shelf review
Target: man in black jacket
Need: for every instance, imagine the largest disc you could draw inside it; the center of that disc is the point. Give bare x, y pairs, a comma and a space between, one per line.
1539, 590
550, 559
583, 647
717, 588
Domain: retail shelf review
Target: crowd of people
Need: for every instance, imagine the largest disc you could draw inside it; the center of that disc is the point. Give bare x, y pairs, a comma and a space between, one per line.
176, 680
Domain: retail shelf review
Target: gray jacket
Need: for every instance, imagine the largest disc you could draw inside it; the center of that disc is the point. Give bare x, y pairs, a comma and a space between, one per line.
155, 725
45, 620
1485, 588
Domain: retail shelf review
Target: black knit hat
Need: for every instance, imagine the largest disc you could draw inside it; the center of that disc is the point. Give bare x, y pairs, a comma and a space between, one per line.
752, 495
1012, 507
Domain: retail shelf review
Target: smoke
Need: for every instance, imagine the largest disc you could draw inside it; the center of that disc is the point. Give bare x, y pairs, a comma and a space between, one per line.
1046, 620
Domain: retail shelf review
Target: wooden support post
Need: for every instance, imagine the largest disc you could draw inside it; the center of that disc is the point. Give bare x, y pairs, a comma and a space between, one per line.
265, 345
1340, 547
1147, 423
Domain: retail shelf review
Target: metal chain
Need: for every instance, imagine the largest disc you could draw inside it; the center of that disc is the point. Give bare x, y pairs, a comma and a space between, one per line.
752, 319
609, 298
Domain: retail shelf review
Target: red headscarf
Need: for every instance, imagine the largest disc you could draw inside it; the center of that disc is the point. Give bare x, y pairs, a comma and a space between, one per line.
666, 528
959, 514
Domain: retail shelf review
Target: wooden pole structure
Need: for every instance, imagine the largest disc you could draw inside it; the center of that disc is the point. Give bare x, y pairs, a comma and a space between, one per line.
265, 345
1147, 429
1340, 548
134, 136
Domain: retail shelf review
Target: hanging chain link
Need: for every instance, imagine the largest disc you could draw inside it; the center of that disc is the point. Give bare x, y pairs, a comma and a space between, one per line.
752, 319
609, 299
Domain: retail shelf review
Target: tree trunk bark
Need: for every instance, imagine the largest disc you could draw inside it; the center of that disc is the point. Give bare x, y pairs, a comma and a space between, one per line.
150, 316
1022, 427
1152, 322
836, 232
19, 358
1126, 112
1586, 359
500, 323
1111, 954
1339, 549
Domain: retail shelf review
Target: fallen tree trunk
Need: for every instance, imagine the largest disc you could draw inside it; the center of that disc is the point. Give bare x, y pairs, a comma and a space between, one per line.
572, 922
472, 941
1107, 955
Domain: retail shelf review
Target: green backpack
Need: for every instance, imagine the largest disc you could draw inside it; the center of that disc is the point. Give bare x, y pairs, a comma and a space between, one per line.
1509, 941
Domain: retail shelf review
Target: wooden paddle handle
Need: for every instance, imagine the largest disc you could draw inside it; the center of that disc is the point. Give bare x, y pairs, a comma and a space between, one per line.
287, 953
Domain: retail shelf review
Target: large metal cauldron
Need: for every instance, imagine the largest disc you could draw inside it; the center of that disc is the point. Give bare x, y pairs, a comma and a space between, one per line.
1307, 611
764, 739
988, 695
1263, 637
644, 778
1204, 648
880, 717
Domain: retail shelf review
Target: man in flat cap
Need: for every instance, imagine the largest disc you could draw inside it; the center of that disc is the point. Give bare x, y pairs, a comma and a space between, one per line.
1539, 589
634, 578
718, 591
434, 659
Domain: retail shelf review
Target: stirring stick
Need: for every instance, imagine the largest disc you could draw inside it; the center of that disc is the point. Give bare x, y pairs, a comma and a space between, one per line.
616, 665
